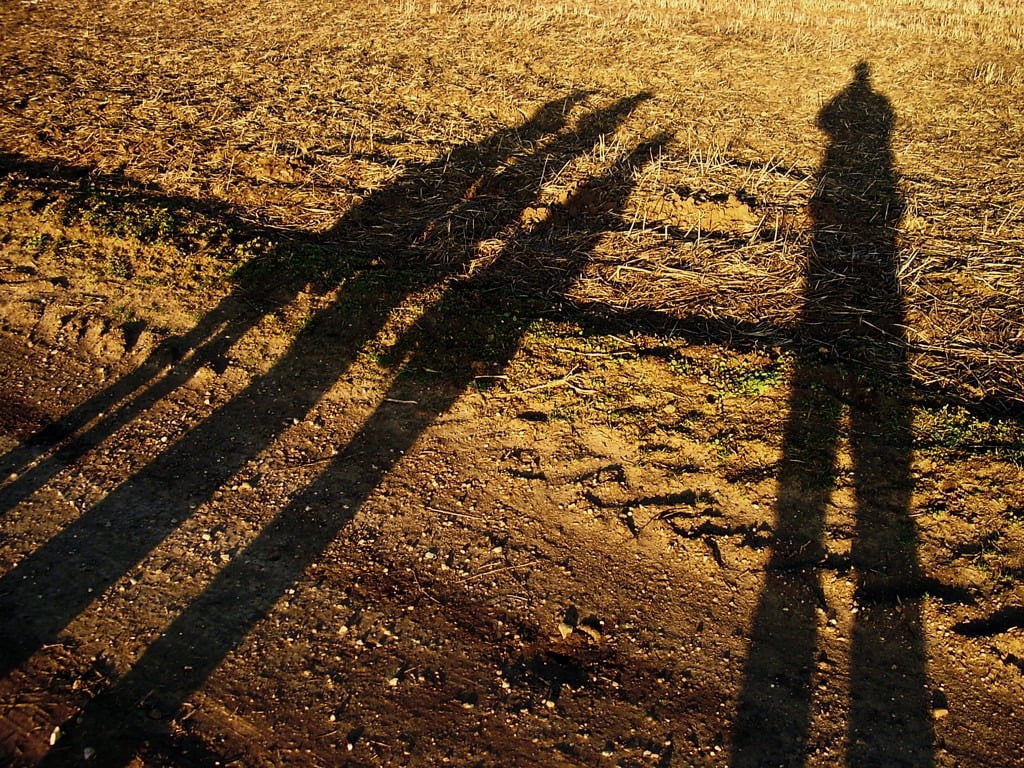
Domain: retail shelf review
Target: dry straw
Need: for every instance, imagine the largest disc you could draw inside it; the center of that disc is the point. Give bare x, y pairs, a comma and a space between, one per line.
291, 113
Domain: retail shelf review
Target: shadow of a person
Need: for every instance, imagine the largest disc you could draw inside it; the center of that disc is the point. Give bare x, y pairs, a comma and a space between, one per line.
481, 315
262, 286
179, 479
853, 314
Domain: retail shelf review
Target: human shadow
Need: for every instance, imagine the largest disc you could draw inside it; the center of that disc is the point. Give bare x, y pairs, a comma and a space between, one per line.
480, 317
856, 383
381, 227
64, 575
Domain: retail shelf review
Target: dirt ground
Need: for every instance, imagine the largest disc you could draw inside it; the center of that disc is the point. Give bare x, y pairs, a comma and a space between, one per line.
321, 445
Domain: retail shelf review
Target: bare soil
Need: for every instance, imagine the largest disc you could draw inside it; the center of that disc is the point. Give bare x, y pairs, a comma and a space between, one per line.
425, 386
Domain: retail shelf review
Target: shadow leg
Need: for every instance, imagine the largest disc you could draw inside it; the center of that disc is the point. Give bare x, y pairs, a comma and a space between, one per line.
775, 703
890, 718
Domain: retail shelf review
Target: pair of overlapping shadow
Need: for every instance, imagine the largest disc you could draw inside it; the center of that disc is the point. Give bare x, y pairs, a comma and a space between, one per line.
485, 186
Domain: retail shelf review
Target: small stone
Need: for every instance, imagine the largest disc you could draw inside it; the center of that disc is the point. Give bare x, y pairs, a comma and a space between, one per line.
55, 735
940, 712
564, 629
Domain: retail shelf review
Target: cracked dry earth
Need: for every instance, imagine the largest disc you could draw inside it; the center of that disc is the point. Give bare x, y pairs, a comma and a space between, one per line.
209, 562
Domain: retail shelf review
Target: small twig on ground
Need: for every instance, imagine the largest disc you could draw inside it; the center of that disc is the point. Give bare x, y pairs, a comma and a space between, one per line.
423, 591
567, 381
454, 514
503, 569
548, 385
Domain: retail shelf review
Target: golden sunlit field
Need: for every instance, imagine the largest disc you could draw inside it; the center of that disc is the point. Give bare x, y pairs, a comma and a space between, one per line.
494, 384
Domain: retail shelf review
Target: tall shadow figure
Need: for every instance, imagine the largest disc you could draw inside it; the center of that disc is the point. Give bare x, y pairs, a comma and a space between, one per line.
385, 223
480, 317
179, 479
853, 311
64, 575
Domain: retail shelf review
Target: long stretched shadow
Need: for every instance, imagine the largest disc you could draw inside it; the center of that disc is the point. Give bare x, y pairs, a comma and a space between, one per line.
852, 308
62, 577
481, 316
384, 224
